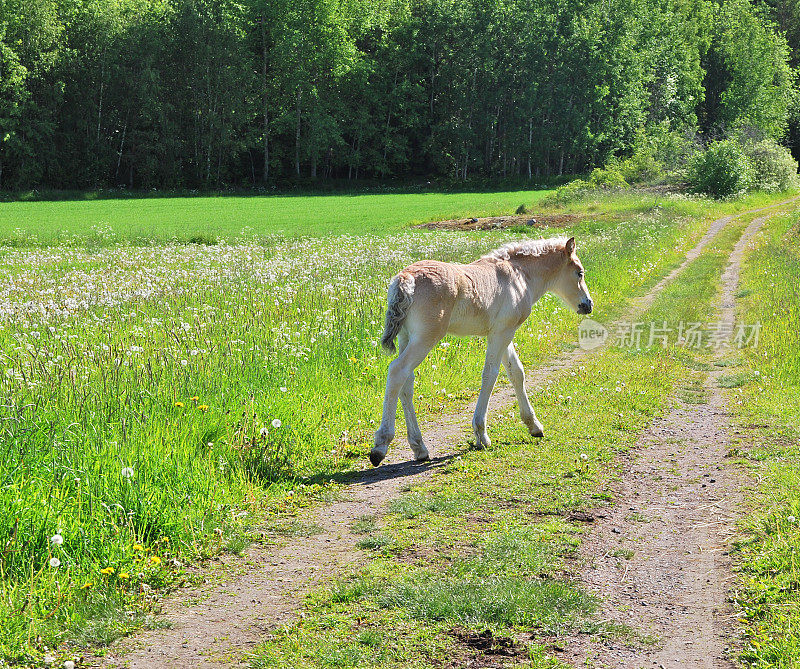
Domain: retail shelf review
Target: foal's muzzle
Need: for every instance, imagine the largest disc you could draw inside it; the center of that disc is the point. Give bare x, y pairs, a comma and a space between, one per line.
585, 307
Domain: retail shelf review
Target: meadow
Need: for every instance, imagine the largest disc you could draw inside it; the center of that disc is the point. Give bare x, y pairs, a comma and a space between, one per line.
147, 220
162, 399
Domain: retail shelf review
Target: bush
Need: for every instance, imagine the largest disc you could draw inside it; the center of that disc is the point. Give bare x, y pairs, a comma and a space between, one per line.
607, 177
574, 190
722, 170
641, 167
774, 168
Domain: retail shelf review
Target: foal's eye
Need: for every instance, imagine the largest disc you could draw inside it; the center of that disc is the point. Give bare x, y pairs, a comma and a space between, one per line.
581, 273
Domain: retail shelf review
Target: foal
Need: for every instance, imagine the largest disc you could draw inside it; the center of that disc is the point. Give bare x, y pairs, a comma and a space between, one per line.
490, 298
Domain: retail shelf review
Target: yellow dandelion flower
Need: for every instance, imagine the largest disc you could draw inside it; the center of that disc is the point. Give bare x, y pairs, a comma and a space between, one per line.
155, 559
178, 404
87, 585
202, 407
353, 360
195, 398
138, 547
124, 575
107, 571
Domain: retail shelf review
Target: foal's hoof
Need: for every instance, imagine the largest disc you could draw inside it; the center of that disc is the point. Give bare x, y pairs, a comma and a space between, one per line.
376, 457
537, 433
422, 458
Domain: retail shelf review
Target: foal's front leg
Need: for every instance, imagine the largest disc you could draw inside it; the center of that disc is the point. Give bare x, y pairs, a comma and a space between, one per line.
496, 345
516, 373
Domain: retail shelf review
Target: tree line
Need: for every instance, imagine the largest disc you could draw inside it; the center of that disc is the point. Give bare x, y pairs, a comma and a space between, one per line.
199, 93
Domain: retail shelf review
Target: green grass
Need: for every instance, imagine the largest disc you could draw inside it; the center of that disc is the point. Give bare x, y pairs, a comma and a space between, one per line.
160, 401
767, 407
208, 219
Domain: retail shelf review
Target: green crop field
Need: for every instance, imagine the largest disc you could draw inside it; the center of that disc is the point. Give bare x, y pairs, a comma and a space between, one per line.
229, 217
161, 400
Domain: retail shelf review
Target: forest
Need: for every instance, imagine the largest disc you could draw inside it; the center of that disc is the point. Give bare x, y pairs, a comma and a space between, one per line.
146, 94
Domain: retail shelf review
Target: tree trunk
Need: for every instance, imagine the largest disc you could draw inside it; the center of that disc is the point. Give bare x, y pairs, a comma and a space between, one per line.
297, 136
266, 101
121, 147
530, 146
102, 88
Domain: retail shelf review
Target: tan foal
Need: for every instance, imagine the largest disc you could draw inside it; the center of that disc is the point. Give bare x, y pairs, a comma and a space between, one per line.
490, 298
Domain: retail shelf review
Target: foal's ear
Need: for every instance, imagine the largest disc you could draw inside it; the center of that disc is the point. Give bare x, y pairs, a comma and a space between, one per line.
569, 247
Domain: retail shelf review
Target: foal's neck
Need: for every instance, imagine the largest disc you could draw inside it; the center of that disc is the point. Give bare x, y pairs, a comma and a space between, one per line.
541, 269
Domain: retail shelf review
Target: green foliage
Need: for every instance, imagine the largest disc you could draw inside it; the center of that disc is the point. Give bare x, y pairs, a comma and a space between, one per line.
722, 170
748, 79
570, 192
641, 167
774, 168
194, 93
607, 177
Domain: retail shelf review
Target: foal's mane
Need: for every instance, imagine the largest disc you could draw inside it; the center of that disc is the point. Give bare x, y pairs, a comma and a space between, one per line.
529, 247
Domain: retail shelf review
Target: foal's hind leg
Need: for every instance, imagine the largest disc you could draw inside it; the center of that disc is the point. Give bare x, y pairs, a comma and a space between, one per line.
517, 375
414, 433
410, 415
400, 372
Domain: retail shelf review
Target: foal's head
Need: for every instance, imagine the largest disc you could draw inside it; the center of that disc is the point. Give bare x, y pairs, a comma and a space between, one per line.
570, 283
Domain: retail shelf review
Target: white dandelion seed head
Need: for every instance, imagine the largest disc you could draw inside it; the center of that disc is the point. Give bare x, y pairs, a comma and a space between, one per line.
284, 389
57, 540
276, 423
584, 457
69, 664
264, 431
127, 472
791, 519
55, 562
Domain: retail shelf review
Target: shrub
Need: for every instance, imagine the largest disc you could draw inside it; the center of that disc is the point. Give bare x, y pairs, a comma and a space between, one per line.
607, 177
574, 190
723, 169
641, 167
774, 168
672, 149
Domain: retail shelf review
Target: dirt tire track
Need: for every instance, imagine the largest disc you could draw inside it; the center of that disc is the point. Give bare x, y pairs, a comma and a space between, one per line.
232, 618
660, 560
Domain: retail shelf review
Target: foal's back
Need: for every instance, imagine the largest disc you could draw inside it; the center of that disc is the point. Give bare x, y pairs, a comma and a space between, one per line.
462, 299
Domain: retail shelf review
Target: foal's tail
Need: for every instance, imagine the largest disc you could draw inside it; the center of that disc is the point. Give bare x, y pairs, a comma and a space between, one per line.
401, 294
